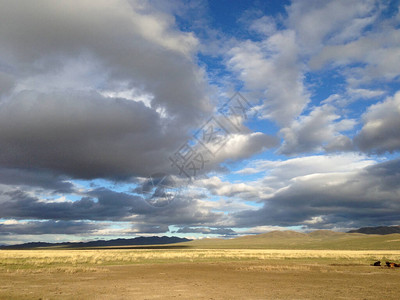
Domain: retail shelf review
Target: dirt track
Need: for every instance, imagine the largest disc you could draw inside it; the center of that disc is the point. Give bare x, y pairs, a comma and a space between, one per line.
206, 281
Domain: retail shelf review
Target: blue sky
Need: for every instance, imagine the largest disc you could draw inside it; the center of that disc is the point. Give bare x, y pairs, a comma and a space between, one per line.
200, 119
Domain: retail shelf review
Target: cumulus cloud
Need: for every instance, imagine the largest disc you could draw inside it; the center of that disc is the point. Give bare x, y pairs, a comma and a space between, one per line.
378, 52
273, 68
218, 187
95, 96
83, 135
380, 132
279, 174
311, 133
58, 63
241, 146
329, 22
355, 38
352, 198
47, 227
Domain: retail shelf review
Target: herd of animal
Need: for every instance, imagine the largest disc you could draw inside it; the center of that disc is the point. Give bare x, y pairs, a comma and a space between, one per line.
388, 264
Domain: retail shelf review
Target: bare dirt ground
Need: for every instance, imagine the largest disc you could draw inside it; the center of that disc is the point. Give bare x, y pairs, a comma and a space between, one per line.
205, 280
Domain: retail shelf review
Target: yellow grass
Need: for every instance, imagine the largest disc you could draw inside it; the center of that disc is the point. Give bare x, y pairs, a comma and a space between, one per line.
197, 274
72, 260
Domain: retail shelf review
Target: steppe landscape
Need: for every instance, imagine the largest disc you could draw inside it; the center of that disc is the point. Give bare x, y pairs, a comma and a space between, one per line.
199, 149
276, 265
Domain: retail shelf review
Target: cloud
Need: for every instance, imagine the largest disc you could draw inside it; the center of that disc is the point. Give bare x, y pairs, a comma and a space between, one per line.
377, 52
343, 199
35, 179
150, 228
102, 204
272, 67
6, 83
218, 187
83, 135
108, 205
318, 23
380, 133
47, 227
58, 61
264, 25
183, 211
241, 146
362, 52
277, 175
96, 96
206, 230
365, 93
318, 131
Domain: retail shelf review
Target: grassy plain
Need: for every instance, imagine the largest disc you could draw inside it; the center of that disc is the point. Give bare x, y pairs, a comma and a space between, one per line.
197, 271
317, 240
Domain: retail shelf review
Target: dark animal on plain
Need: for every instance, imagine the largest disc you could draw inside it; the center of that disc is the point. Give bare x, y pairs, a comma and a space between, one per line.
397, 265
376, 264
390, 264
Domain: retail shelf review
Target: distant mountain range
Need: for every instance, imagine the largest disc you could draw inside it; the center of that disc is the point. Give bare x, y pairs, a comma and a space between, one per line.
377, 230
153, 240
282, 236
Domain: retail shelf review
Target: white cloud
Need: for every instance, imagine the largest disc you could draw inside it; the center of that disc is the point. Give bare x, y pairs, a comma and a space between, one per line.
12, 222
376, 51
272, 68
260, 230
311, 133
344, 195
282, 172
265, 25
157, 27
241, 146
365, 93
225, 188
318, 23
380, 132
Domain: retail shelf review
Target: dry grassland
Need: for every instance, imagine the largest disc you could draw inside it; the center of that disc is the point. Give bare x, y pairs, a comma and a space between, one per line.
197, 274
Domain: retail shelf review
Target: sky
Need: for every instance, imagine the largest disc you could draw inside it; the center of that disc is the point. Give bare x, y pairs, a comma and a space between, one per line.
125, 118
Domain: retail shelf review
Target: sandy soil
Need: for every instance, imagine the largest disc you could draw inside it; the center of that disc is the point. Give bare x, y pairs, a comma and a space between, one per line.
243, 280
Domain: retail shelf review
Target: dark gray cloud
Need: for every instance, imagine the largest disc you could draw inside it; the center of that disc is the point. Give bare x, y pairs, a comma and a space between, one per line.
48, 227
103, 205
100, 89
6, 83
83, 134
37, 179
356, 199
183, 211
68, 63
112, 88
113, 42
150, 228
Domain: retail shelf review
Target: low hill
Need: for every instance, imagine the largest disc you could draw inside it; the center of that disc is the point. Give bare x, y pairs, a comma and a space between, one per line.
377, 230
138, 241
318, 240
